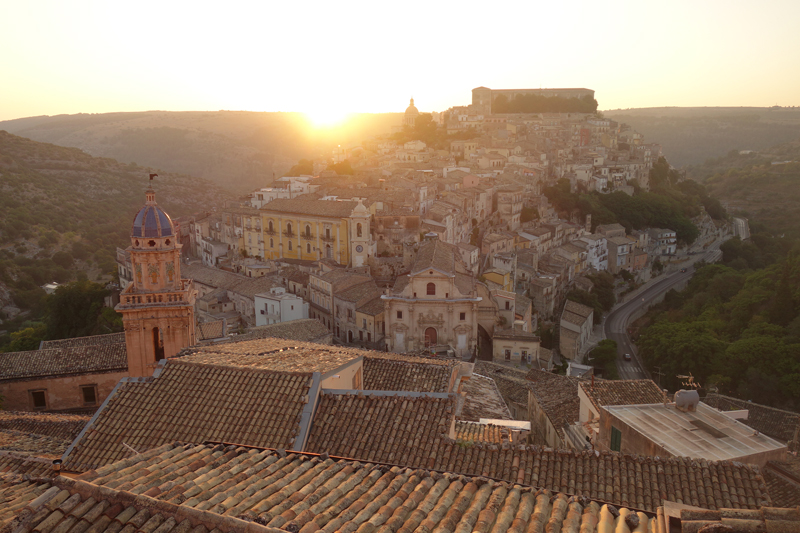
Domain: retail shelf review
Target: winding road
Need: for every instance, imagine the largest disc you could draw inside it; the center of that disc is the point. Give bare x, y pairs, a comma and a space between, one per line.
616, 322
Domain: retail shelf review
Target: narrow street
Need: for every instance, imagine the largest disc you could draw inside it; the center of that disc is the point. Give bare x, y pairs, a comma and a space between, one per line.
616, 322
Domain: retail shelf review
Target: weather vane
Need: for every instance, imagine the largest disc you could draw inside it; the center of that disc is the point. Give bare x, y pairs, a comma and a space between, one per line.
153, 176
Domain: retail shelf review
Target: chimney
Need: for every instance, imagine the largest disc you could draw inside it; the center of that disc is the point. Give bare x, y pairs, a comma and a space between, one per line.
56, 466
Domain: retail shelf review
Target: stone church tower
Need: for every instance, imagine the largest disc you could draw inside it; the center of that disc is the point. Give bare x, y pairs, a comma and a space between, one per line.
158, 307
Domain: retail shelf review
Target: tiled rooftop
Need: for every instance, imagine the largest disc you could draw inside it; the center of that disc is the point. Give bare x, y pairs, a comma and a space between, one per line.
622, 392
483, 400
557, 396
510, 382
320, 208
767, 519
477, 432
436, 254
783, 480
401, 428
210, 330
64, 427
274, 354
420, 375
222, 279
304, 329
776, 423
110, 338
193, 402
15, 495
66, 360
224, 489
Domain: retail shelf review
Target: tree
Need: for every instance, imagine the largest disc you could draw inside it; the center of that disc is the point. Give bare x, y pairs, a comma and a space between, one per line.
304, 166
75, 310
604, 356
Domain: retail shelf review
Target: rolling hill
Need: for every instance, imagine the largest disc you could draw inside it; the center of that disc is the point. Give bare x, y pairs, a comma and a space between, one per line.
691, 135
239, 150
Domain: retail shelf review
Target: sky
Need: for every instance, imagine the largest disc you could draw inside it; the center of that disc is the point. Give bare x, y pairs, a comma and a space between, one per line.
332, 58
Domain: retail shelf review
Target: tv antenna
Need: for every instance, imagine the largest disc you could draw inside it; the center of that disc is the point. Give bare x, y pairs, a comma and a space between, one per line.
689, 381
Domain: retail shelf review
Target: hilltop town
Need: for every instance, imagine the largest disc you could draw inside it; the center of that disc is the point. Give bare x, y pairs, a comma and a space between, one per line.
359, 348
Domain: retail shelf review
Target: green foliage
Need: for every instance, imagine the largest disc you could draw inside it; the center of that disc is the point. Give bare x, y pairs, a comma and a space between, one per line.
738, 330
604, 357
604, 289
342, 168
667, 207
546, 335
303, 167
27, 339
589, 300
76, 310
534, 103
528, 214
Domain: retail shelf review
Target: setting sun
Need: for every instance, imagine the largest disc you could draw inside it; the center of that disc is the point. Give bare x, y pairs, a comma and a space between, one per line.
323, 118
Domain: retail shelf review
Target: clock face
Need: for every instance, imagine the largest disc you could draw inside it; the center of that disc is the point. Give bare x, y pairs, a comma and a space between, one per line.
359, 248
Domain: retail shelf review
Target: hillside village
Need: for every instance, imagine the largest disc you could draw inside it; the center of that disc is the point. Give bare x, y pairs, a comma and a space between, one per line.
359, 352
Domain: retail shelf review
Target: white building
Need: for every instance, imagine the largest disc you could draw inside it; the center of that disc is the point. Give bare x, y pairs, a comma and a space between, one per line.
596, 251
279, 306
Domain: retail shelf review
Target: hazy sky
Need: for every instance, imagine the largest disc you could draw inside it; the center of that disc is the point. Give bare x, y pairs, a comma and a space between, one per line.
328, 58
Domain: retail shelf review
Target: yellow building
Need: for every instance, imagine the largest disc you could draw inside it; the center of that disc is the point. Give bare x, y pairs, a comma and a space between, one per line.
315, 229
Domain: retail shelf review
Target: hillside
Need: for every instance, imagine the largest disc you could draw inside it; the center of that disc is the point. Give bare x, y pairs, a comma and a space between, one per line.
65, 212
238, 150
763, 186
691, 135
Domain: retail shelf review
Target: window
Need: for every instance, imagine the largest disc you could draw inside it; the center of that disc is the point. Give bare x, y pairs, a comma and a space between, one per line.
289, 228
358, 230
327, 233
462, 316
508, 305
508, 355
308, 248
308, 230
399, 315
290, 246
616, 439
89, 394
271, 243
270, 226
431, 289
369, 337
349, 313
361, 336
39, 399
364, 323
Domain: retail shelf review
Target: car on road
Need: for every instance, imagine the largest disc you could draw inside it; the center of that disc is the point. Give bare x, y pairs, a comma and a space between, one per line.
683, 270
627, 357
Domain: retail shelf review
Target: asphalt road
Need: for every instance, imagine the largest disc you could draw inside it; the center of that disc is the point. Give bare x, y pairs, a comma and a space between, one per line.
616, 321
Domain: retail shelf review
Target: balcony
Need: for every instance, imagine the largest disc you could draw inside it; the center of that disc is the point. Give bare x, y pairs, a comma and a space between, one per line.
289, 234
327, 239
307, 237
270, 231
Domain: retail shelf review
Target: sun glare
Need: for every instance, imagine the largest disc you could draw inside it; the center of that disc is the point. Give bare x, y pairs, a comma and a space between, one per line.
325, 118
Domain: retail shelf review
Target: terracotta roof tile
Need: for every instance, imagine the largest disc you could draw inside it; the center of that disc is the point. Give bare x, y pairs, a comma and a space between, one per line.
766, 519
477, 432
416, 375
304, 329
275, 354
15, 495
783, 480
65, 360
210, 330
93, 340
193, 402
622, 392
483, 400
399, 428
557, 397
41, 434
322, 208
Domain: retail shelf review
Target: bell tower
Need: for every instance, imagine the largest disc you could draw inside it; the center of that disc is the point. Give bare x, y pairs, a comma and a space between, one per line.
362, 246
158, 307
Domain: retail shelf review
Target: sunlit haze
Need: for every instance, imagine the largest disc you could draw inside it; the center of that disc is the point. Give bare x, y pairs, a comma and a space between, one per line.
332, 58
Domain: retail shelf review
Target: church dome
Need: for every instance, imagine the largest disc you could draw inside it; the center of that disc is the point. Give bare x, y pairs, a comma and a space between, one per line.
411, 109
151, 220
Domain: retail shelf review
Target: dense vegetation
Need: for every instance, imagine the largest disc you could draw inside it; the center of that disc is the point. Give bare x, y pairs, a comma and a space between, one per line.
672, 203
736, 327
601, 299
65, 213
74, 310
534, 103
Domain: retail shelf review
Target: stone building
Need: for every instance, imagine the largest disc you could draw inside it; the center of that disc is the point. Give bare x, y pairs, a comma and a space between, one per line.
435, 304
158, 307
576, 328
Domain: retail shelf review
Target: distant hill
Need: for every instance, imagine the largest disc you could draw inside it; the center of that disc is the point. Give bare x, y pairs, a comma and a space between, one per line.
691, 135
763, 185
64, 213
239, 150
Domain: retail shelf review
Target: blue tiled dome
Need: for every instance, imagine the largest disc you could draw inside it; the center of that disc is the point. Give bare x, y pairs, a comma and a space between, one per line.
151, 221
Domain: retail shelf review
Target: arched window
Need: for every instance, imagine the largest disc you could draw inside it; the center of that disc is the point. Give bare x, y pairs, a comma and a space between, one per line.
158, 344
308, 248
358, 229
289, 229
308, 230
290, 246
270, 226
271, 242
431, 289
